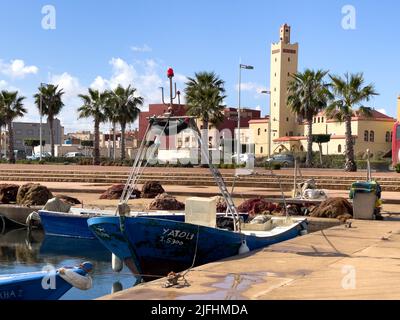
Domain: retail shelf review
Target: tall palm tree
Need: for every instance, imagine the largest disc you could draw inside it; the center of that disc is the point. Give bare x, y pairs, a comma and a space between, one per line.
308, 95
94, 105
2, 124
205, 94
51, 106
348, 93
12, 107
126, 109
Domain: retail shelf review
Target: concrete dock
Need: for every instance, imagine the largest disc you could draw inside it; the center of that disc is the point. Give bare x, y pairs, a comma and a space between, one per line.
361, 262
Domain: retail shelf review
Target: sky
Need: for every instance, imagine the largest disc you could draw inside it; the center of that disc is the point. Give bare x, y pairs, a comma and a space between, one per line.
100, 44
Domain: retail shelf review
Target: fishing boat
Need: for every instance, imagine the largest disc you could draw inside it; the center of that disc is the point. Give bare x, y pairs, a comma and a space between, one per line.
73, 224
158, 246
154, 247
45, 285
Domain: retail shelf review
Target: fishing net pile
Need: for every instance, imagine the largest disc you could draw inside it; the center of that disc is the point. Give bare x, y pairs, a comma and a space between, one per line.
152, 189
257, 206
68, 200
8, 193
165, 201
33, 195
333, 208
115, 192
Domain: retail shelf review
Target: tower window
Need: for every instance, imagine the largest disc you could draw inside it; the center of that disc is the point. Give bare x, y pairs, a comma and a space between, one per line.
366, 135
319, 120
372, 136
287, 119
259, 131
339, 148
261, 150
387, 138
288, 59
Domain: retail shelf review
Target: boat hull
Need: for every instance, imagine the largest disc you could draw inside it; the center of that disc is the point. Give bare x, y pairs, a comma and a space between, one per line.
159, 246
75, 225
29, 286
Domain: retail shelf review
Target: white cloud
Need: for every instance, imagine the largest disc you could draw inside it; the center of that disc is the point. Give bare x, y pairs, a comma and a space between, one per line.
382, 111
252, 87
3, 84
145, 75
144, 48
17, 69
68, 83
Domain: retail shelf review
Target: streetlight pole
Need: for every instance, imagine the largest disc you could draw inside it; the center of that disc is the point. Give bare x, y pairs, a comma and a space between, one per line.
238, 147
269, 122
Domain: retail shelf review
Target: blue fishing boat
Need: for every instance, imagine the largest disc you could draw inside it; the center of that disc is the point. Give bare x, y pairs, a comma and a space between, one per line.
157, 246
73, 224
44, 285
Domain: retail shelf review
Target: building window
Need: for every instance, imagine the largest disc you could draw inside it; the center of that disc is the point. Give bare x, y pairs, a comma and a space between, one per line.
259, 131
339, 148
372, 136
288, 59
366, 135
322, 119
275, 74
276, 59
261, 150
290, 133
387, 138
287, 119
274, 104
319, 120
301, 148
315, 120
391, 136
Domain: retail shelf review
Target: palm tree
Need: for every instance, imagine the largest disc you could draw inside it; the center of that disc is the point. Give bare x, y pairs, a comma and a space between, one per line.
94, 105
205, 94
11, 106
2, 124
52, 104
126, 109
308, 95
348, 93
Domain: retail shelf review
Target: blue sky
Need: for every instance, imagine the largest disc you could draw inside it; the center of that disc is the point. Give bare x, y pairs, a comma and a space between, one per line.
102, 43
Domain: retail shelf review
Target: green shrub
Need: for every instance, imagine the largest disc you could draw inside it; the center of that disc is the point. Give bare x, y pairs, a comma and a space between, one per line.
397, 168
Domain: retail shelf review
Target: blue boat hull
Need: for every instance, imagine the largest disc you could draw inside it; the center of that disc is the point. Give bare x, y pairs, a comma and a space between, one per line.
28, 286
159, 246
75, 226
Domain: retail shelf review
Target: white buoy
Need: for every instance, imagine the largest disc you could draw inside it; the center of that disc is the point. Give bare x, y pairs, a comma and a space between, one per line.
116, 263
244, 248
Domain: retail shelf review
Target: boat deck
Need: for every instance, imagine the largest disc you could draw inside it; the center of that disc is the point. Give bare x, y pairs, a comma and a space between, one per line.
361, 262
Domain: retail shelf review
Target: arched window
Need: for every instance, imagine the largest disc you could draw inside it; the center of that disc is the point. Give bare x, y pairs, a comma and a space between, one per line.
366, 135
387, 137
259, 131
339, 148
261, 150
372, 136
301, 148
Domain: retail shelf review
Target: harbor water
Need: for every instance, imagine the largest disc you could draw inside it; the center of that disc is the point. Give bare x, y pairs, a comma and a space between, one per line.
20, 252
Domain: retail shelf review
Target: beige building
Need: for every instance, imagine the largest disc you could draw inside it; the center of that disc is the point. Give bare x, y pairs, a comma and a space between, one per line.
288, 134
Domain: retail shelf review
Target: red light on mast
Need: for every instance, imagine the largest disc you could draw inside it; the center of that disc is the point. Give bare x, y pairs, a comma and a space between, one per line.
170, 73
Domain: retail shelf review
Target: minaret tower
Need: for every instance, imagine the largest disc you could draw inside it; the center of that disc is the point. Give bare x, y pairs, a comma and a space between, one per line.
284, 62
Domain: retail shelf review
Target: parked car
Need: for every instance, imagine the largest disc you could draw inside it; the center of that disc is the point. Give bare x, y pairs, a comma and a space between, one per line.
74, 155
36, 156
285, 160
